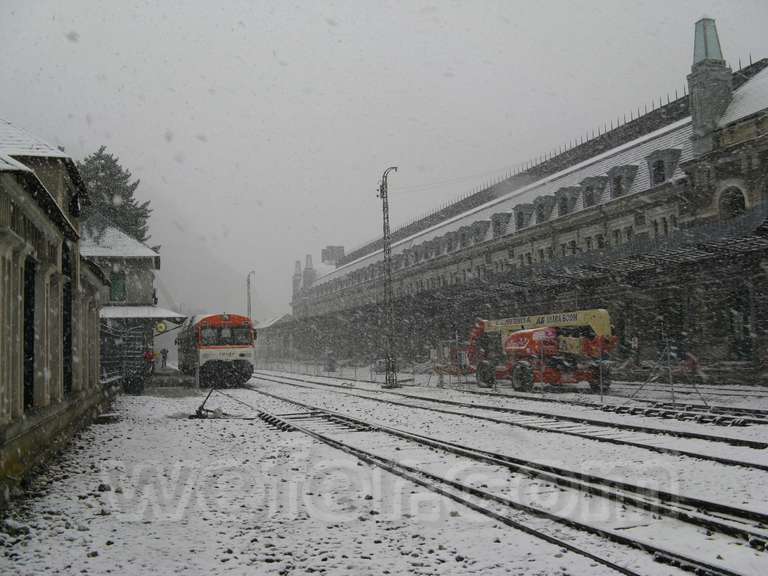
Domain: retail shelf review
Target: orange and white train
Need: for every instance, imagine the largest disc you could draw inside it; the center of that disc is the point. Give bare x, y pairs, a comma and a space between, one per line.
218, 349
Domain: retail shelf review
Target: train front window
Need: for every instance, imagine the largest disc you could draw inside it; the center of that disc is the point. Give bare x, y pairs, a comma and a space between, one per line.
208, 336
241, 335
225, 336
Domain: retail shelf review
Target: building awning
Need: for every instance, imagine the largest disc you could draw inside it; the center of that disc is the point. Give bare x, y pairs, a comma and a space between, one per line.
153, 312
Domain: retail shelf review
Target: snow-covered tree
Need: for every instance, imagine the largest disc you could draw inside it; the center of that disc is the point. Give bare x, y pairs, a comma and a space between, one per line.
112, 194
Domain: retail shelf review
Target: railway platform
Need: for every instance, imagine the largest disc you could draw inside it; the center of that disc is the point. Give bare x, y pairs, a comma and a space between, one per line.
169, 376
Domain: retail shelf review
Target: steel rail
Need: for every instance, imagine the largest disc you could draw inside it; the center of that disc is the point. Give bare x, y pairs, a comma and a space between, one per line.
746, 415
577, 419
760, 416
539, 428
691, 391
591, 484
429, 480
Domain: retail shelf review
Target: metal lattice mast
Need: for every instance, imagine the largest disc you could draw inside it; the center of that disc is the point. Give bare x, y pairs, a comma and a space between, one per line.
390, 377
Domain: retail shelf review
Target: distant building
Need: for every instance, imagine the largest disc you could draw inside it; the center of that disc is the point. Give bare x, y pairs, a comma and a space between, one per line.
272, 342
661, 219
49, 304
130, 314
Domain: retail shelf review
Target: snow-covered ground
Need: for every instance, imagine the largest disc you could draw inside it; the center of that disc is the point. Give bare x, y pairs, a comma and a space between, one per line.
736, 486
158, 493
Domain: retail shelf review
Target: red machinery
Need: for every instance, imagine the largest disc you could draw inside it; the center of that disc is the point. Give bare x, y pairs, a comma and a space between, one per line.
562, 348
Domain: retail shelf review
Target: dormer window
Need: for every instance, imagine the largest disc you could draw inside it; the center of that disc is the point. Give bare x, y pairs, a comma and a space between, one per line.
617, 186
662, 165
621, 179
562, 206
519, 220
589, 196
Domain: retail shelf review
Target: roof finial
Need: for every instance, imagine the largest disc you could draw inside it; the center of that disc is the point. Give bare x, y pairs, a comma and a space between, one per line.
706, 44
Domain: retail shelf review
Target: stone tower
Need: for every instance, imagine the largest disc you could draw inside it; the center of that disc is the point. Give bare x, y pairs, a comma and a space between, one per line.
310, 274
709, 85
296, 277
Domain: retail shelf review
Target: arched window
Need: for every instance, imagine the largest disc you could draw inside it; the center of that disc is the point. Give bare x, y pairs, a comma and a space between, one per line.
732, 203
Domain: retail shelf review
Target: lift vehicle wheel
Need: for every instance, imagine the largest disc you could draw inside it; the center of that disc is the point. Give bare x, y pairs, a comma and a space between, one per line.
485, 375
522, 377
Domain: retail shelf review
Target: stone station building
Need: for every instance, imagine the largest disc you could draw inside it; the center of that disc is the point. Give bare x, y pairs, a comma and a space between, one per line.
661, 220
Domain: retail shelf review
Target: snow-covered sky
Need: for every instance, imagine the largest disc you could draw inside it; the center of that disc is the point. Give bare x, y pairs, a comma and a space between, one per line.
259, 130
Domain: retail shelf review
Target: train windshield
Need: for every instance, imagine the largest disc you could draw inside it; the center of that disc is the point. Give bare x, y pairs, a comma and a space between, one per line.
225, 336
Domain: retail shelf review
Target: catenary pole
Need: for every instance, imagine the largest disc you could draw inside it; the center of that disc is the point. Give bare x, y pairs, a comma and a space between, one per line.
248, 289
390, 374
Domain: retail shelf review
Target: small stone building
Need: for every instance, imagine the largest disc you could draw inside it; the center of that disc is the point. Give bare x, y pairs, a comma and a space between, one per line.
130, 315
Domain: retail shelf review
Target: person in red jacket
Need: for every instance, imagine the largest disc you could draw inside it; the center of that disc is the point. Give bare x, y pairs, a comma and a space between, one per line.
149, 360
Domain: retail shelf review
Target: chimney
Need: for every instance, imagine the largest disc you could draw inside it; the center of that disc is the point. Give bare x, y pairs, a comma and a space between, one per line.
709, 85
332, 255
296, 277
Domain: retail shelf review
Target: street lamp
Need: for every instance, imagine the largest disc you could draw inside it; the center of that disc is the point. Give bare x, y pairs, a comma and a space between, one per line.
248, 290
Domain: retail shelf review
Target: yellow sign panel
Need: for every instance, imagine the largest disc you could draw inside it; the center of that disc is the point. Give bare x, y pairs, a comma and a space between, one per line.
598, 319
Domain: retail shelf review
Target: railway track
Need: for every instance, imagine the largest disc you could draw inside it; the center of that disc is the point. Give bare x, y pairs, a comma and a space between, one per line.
601, 431
754, 414
709, 414
686, 411
687, 517
719, 415
687, 390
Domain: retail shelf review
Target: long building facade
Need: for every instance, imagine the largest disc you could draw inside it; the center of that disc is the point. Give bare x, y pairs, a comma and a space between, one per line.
661, 220
49, 304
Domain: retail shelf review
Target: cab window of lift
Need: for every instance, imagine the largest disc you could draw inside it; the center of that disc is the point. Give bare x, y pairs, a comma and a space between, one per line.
577, 331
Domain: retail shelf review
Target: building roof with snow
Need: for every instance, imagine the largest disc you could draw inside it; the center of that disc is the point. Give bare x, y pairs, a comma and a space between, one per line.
749, 99
8, 164
138, 312
19, 144
676, 136
37, 190
102, 239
